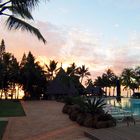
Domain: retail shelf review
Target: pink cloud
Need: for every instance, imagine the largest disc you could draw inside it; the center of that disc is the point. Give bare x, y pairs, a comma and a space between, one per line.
68, 44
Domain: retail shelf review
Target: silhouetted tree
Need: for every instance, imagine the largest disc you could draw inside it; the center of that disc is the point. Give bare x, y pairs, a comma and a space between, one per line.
17, 13
2, 49
14, 76
33, 78
137, 76
51, 69
88, 82
72, 69
5, 71
128, 79
83, 72
23, 61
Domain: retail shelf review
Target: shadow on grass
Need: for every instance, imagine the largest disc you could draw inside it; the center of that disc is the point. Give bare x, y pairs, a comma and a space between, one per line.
11, 108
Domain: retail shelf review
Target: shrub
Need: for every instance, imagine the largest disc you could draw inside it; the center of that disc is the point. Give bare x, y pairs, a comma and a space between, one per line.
68, 100
94, 106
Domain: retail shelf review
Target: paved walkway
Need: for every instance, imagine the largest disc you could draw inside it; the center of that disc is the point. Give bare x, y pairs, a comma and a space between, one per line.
44, 121
122, 132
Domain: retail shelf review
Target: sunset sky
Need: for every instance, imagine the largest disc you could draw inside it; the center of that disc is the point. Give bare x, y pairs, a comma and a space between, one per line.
98, 33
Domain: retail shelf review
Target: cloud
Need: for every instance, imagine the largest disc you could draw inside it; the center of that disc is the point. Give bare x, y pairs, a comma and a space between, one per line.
73, 44
116, 25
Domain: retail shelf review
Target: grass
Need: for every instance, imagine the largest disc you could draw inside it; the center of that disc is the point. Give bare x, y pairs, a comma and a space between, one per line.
11, 108
2, 128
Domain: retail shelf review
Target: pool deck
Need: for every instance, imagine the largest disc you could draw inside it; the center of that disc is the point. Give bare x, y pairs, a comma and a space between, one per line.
120, 132
44, 120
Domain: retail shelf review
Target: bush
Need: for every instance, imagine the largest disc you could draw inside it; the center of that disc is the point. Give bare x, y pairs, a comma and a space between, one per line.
105, 117
66, 108
81, 118
94, 106
68, 100
88, 112
73, 116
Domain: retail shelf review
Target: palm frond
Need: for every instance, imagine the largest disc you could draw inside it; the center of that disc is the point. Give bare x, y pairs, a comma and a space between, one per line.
47, 67
15, 23
21, 11
3, 4
30, 4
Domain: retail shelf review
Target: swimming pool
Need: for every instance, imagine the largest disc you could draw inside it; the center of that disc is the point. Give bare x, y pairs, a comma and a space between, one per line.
127, 104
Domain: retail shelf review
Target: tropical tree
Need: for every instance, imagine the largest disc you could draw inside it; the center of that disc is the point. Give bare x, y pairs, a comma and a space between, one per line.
18, 13
128, 79
109, 80
99, 82
82, 72
14, 76
109, 75
74, 77
5, 73
137, 75
33, 78
89, 82
51, 69
114, 83
2, 49
72, 69
23, 61
105, 82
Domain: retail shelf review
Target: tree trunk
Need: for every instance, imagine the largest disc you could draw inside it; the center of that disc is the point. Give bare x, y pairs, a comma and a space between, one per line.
133, 91
106, 90
81, 80
109, 91
17, 92
5, 93
1, 94
127, 93
113, 91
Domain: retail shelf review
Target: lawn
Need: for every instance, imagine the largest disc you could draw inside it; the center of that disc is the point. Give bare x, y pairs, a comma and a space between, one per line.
11, 108
2, 128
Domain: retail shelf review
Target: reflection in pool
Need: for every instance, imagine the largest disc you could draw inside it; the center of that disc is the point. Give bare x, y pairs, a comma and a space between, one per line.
129, 104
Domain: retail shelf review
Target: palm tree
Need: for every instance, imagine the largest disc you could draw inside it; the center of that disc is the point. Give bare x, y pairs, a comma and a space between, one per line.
51, 69
83, 72
89, 82
137, 71
71, 70
17, 13
128, 79
105, 82
99, 82
114, 83
110, 75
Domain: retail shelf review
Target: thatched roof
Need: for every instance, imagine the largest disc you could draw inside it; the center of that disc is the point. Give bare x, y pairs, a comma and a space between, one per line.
61, 85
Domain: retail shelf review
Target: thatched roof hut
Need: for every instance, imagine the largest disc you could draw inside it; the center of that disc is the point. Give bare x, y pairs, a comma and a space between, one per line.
62, 85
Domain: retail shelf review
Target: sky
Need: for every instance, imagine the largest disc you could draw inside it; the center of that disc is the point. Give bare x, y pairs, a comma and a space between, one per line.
101, 34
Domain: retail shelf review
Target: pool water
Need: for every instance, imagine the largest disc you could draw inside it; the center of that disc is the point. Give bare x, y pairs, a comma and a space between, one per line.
128, 104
